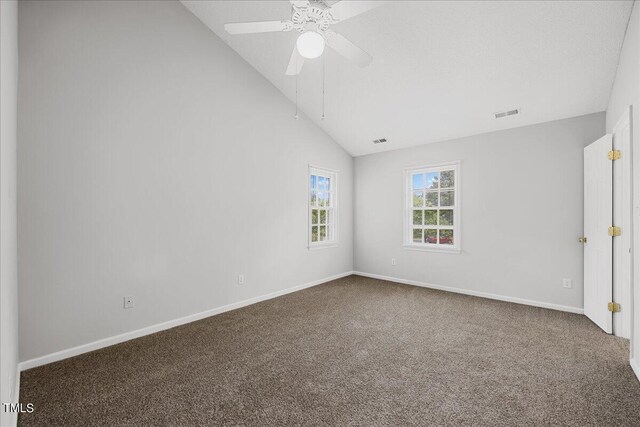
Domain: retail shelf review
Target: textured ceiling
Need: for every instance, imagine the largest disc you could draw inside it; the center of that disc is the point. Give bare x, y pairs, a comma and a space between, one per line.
441, 69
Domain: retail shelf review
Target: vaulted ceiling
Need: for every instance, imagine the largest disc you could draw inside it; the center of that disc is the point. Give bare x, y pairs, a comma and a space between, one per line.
440, 69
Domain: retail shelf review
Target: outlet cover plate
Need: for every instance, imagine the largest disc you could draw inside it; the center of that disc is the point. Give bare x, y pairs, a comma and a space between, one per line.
129, 302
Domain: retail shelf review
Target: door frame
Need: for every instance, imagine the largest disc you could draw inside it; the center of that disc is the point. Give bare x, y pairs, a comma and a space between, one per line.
623, 218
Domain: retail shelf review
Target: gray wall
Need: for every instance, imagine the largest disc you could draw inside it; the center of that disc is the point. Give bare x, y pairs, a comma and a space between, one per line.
154, 162
625, 92
521, 212
8, 248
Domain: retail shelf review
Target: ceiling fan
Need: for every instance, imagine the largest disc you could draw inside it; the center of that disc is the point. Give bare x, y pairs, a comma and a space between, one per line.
312, 19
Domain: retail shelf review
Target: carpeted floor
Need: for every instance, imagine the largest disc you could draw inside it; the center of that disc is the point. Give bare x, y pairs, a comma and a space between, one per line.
354, 351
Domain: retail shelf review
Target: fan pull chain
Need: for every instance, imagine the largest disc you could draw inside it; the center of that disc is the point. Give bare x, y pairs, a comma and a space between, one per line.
322, 118
296, 116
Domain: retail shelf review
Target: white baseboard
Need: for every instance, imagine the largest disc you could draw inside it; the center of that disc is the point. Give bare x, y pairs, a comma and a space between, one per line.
106, 342
636, 367
523, 301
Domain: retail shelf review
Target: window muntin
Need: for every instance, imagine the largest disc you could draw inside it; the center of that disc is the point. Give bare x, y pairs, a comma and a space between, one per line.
323, 190
432, 207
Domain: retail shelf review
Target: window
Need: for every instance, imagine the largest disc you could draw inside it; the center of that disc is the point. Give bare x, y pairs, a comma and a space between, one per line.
432, 214
323, 207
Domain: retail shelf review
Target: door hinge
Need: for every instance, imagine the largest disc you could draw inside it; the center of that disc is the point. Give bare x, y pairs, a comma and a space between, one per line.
614, 231
613, 307
613, 154
582, 240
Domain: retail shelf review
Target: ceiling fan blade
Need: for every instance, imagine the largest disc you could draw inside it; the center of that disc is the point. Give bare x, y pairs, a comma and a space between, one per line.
257, 27
344, 47
295, 63
346, 9
300, 3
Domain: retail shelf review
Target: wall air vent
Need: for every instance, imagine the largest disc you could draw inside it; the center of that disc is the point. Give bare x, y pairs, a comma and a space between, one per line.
506, 113
380, 141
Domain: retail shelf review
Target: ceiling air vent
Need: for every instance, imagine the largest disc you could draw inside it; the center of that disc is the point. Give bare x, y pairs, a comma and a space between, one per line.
506, 113
380, 141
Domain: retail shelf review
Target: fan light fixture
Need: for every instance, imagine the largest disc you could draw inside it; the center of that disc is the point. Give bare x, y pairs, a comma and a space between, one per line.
310, 44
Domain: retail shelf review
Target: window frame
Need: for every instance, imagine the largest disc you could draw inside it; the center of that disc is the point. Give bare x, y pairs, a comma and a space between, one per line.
333, 206
408, 208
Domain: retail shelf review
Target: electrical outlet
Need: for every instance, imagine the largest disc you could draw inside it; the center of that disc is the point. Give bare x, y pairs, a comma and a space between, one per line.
566, 283
240, 279
129, 302
393, 261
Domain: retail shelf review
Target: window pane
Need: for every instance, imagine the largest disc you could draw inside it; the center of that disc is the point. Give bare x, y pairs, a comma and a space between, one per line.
446, 198
432, 206
448, 180
418, 199
432, 199
446, 237
417, 217
323, 215
431, 236
430, 217
417, 181
446, 217
432, 180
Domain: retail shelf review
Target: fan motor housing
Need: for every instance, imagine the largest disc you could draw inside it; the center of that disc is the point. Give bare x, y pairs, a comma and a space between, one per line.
317, 14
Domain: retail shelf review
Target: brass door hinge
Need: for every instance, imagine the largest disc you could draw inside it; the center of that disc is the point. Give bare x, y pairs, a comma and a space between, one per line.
582, 240
613, 154
613, 307
614, 231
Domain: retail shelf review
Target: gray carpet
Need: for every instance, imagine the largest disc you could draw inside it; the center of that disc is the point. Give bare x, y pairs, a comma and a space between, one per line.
354, 351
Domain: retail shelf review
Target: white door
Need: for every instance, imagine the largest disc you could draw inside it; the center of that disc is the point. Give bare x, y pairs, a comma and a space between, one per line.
598, 217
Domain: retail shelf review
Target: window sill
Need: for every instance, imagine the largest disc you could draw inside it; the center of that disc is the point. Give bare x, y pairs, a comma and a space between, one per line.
323, 246
432, 249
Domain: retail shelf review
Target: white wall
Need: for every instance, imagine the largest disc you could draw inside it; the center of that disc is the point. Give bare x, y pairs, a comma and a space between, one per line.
625, 92
521, 212
154, 162
625, 88
8, 249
